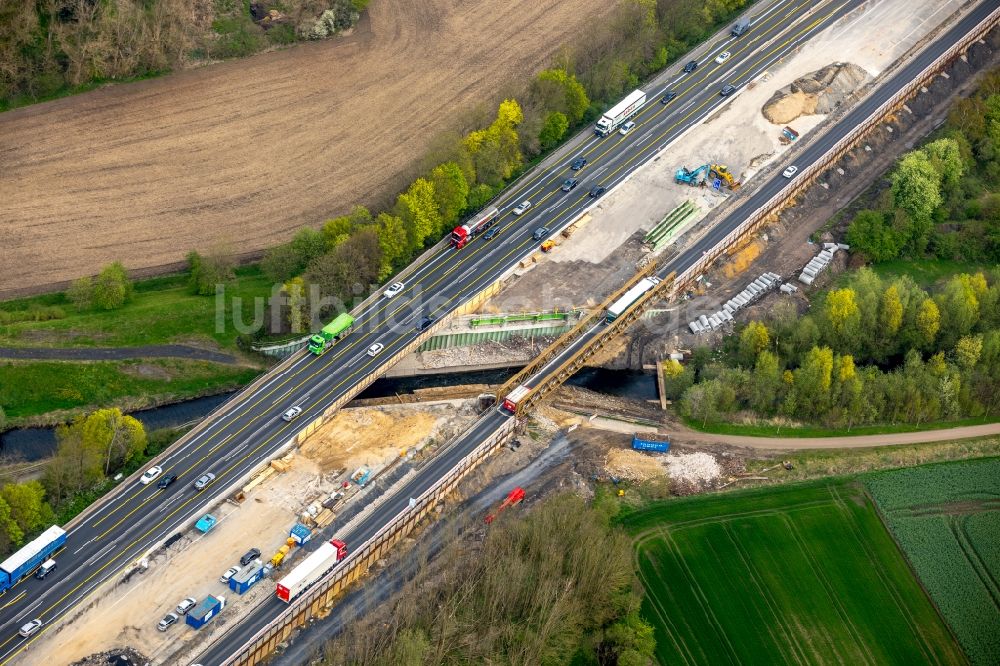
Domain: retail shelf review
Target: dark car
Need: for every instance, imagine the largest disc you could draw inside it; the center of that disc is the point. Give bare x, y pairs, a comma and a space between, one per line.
727, 90
540, 233
597, 190
669, 96
569, 184
691, 66
578, 164
250, 556
491, 234
425, 323
166, 481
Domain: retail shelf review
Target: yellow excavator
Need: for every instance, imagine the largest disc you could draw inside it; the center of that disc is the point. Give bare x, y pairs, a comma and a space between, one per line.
722, 172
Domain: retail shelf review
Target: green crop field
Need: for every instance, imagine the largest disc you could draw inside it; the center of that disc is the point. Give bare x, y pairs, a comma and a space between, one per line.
803, 573
946, 517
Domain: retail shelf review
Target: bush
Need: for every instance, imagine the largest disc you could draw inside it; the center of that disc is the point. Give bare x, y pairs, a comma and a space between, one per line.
237, 37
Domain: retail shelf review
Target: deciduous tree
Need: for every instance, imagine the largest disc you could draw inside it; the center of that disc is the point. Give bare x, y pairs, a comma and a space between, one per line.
753, 340
112, 289
451, 193
553, 129
81, 293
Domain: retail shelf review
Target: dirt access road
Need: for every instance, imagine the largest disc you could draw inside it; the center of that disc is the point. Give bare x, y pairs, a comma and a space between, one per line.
246, 152
845, 442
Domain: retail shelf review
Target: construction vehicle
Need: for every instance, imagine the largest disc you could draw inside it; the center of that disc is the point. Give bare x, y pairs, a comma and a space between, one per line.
361, 476
548, 245
693, 178
513, 497
722, 172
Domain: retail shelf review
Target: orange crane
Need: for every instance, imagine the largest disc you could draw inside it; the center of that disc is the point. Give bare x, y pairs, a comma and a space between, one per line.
513, 497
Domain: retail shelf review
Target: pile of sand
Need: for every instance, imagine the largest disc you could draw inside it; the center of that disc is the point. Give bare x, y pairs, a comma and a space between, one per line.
631, 465
819, 92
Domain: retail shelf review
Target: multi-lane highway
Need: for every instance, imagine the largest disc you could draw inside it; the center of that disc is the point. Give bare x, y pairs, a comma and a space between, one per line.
251, 429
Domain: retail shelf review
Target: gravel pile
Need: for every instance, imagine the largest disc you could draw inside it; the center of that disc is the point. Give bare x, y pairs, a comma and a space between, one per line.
693, 467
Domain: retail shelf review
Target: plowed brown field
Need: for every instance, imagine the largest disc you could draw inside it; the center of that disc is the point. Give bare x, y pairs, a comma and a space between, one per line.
246, 152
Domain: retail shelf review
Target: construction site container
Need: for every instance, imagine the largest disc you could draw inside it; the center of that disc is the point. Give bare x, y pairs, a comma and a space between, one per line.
199, 616
644, 443
247, 578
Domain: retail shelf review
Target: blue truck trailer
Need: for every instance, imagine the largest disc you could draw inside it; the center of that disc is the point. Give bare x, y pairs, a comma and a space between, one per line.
247, 578
656, 445
24, 561
199, 616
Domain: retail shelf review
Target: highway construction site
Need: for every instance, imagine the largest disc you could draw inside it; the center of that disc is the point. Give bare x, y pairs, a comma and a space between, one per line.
578, 438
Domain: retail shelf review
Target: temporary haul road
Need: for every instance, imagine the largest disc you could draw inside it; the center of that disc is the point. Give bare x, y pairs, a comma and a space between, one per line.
250, 430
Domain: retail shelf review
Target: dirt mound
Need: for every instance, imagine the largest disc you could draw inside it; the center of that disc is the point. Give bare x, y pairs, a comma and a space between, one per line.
819, 92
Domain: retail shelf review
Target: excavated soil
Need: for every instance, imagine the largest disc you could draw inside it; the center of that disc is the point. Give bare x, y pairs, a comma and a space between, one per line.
821, 92
245, 152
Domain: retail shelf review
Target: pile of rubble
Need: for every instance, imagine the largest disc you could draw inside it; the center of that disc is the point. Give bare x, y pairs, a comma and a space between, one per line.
818, 92
693, 469
819, 263
753, 292
116, 657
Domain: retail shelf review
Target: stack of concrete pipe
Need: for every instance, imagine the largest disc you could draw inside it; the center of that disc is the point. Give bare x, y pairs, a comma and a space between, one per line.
753, 292
819, 263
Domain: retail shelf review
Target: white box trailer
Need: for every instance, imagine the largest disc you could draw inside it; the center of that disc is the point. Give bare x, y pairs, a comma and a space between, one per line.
619, 113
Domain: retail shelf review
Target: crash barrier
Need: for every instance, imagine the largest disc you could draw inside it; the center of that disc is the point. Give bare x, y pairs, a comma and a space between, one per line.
318, 598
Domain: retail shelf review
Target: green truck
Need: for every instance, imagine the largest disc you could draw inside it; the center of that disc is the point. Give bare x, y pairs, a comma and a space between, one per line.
330, 333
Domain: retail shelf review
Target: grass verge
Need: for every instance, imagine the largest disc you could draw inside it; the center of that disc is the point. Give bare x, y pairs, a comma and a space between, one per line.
61, 389
162, 311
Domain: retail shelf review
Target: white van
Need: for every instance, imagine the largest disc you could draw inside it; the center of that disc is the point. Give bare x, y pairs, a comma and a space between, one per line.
48, 566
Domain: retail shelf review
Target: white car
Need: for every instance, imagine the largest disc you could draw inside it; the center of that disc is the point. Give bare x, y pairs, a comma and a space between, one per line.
394, 289
790, 171
30, 628
185, 605
722, 57
150, 475
375, 349
522, 208
292, 413
230, 572
626, 128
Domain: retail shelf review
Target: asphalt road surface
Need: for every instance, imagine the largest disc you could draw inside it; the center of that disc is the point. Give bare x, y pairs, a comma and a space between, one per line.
251, 430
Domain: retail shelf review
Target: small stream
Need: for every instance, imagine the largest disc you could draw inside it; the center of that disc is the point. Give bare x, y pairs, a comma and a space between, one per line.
32, 444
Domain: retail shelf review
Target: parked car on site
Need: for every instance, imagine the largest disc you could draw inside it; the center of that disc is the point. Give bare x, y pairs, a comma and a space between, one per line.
185, 605
168, 619
521, 208
394, 289
250, 556
204, 480
150, 475
230, 572
292, 413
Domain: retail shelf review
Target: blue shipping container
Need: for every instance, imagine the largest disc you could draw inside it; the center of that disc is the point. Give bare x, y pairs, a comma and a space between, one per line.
198, 616
24, 561
300, 533
246, 579
640, 444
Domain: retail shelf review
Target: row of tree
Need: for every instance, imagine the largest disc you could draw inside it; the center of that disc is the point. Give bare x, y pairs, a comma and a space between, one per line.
553, 587
875, 351
90, 450
52, 45
941, 202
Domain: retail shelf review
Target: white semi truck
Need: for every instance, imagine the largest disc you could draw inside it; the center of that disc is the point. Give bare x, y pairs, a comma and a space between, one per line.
619, 113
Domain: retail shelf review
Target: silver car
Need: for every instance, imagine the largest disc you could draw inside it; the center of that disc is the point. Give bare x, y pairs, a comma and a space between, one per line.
168, 619
187, 604
204, 480
30, 628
